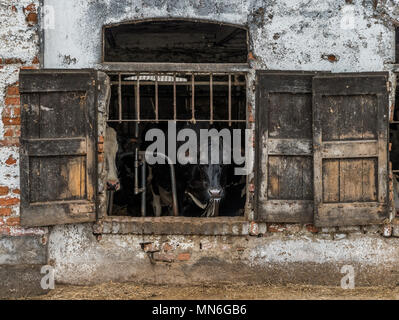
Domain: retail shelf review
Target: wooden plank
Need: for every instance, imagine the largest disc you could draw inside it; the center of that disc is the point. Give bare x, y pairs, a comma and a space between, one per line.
288, 211
330, 179
54, 80
289, 147
349, 149
284, 138
329, 111
348, 214
351, 84
58, 153
174, 67
370, 178
44, 214
273, 191
348, 163
291, 178
56, 147
350, 180
290, 116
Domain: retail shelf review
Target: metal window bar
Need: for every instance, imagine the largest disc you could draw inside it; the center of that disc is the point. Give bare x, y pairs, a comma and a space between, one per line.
174, 98
229, 100
211, 97
120, 97
156, 79
192, 98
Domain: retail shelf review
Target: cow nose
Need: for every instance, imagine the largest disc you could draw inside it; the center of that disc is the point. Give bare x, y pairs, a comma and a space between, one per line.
215, 193
113, 185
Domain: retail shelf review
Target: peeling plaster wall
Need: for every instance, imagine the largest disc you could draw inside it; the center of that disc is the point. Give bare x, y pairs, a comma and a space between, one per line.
284, 35
79, 257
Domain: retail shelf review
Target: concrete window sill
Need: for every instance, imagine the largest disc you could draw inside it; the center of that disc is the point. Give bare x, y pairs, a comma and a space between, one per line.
236, 226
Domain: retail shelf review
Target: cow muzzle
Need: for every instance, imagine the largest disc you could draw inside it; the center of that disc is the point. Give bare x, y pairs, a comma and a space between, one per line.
113, 185
215, 193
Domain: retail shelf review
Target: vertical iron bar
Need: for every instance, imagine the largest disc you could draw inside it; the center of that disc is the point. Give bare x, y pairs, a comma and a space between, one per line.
156, 97
138, 96
211, 96
174, 97
120, 97
192, 98
143, 187
229, 100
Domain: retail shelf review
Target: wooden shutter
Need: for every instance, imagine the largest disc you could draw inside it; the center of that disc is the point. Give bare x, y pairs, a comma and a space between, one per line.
284, 177
58, 147
350, 149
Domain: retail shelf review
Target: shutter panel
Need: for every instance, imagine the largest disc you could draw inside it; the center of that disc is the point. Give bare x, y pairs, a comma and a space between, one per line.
284, 177
58, 147
350, 149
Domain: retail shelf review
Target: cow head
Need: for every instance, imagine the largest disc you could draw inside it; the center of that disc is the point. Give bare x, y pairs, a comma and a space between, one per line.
207, 183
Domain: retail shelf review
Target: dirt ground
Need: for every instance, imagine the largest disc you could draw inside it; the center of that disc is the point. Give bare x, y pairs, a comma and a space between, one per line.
131, 291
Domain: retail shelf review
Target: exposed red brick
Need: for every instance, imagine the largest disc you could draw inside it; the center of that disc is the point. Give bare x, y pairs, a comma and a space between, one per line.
10, 161
35, 60
167, 247
11, 121
13, 91
29, 67
5, 211
312, 228
101, 139
183, 256
14, 8
251, 56
31, 18
276, 227
13, 221
4, 230
101, 158
253, 229
13, 61
17, 111
8, 201
11, 142
100, 147
16, 191
4, 190
12, 101
9, 132
164, 257
30, 8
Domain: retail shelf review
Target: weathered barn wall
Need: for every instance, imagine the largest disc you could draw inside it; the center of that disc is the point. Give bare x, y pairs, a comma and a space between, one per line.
22, 251
280, 254
284, 35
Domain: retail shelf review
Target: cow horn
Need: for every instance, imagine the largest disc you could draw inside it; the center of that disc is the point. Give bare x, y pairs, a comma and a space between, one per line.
196, 201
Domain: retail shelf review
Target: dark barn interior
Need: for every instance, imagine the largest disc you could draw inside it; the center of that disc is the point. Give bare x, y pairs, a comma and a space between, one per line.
177, 41
142, 101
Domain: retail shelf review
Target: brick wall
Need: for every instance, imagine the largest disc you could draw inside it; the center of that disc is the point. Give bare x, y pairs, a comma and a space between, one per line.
19, 49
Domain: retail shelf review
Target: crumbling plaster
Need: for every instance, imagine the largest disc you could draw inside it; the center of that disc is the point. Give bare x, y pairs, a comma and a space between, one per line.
284, 35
